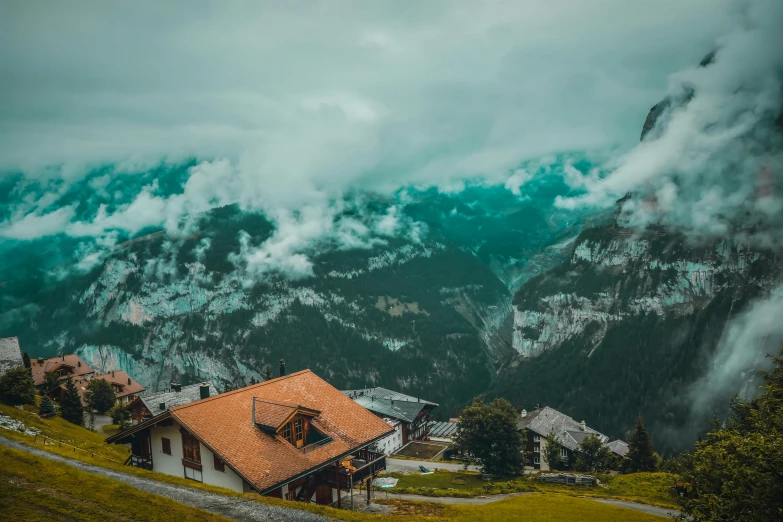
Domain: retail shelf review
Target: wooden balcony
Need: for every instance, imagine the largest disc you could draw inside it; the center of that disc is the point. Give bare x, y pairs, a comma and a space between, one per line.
139, 462
374, 464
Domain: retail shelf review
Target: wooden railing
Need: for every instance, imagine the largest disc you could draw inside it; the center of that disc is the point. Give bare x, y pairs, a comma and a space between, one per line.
139, 462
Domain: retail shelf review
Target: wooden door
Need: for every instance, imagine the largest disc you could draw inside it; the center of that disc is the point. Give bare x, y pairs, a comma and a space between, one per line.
323, 494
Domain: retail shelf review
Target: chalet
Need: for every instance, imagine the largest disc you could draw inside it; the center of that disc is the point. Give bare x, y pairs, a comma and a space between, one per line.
541, 422
143, 408
125, 387
10, 354
412, 413
64, 366
293, 437
618, 447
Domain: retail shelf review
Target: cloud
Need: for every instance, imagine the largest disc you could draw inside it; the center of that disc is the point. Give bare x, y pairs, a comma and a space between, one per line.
714, 164
34, 225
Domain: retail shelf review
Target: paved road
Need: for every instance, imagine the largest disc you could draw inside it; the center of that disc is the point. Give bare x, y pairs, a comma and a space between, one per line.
242, 510
653, 510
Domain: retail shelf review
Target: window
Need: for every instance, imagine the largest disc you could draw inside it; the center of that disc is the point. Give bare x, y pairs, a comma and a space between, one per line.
218, 464
536, 448
190, 448
563, 453
298, 429
536, 438
536, 460
166, 445
287, 432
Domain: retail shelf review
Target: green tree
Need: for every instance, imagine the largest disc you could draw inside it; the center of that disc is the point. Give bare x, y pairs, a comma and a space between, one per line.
736, 470
47, 408
71, 404
489, 433
16, 387
551, 453
641, 456
100, 395
120, 415
50, 382
268, 373
26, 361
593, 455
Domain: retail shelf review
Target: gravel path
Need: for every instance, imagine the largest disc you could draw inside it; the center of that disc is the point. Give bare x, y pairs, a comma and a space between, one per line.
646, 508
403, 465
242, 510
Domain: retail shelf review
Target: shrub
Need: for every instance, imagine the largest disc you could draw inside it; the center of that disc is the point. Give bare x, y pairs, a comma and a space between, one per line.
17, 387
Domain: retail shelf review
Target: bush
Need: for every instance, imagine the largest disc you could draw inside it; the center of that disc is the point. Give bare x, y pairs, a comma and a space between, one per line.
100, 395
17, 387
120, 416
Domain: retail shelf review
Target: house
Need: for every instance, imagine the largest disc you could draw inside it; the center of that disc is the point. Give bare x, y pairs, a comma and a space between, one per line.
442, 431
10, 354
413, 413
294, 437
64, 366
392, 442
618, 447
540, 422
126, 388
143, 408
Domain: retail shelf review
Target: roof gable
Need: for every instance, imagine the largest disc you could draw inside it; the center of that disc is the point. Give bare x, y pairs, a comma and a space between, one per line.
547, 420
169, 399
388, 403
39, 369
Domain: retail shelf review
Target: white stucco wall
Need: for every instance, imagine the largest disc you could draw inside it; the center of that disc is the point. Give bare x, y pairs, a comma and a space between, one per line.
544, 465
392, 442
172, 464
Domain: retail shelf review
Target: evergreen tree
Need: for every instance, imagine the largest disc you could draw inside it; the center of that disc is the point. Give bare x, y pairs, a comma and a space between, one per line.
47, 408
489, 433
551, 453
593, 455
100, 395
26, 361
16, 387
253, 381
71, 404
268, 373
735, 471
641, 456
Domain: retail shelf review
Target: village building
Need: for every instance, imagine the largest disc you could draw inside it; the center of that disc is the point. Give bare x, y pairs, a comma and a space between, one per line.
541, 422
10, 354
618, 447
64, 366
148, 406
126, 388
409, 415
294, 437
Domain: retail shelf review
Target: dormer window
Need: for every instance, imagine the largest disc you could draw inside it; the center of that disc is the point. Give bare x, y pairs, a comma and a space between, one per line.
291, 423
298, 432
287, 432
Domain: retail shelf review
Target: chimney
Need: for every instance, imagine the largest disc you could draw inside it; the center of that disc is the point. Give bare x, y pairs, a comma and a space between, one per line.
523, 413
282, 368
582, 426
176, 387
129, 380
40, 360
63, 357
162, 406
204, 390
79, 364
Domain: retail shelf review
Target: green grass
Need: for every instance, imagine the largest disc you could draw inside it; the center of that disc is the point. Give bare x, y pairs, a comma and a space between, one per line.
34, 488
647, 488
462, 484
110, 429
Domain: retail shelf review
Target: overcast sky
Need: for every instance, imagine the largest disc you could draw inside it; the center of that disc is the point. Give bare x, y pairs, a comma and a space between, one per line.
342, 93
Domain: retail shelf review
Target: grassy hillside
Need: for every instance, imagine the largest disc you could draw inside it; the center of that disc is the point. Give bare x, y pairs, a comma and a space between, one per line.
33, 489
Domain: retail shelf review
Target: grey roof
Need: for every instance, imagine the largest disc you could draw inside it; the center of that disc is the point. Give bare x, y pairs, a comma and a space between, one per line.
188, 394
546, 420
389, 403
618, 447
442, 429
10, 354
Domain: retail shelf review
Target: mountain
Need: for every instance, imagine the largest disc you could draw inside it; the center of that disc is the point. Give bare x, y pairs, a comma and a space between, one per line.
427, 316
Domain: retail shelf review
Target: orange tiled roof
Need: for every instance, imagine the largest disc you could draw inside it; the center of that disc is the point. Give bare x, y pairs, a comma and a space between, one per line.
272, 415
80, 367
125, 384
225, 424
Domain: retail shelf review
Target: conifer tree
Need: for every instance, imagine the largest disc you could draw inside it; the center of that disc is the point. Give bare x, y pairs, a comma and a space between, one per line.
47, 408
268, 373
16, 387
26, 361
71, 404
641, 456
